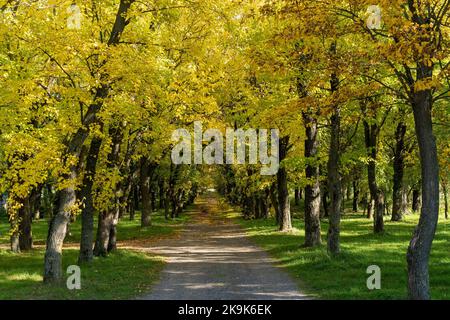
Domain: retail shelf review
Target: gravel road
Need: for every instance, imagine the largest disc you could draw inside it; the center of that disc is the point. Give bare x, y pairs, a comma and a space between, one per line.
213, 260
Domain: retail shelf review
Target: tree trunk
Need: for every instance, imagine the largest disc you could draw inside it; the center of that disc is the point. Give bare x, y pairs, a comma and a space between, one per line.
334, 176
14, 239
297, 196
325, 204
145, 193
26, 217
264, 204
370, 208
153, 197
57, 232
420, 246
274, 202
355, 195
161, 189
312, 189
256, 207
36, 203
87, 214
103, 232
112, 241
166, 207
416, 201
398, 192
108, 219
283, 192
131, 208
445, 191
334, 184
371, 132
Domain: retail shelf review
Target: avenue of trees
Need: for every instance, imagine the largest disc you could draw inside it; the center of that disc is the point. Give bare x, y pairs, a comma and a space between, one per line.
91, 91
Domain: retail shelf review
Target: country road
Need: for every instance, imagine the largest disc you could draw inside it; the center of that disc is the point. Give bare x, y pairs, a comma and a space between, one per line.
213, 260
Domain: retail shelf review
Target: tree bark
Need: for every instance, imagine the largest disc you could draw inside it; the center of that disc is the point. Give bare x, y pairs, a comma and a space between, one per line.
312, 189
355, 195
145, 193
416, 201
35, 203
108, 219
274, 202
398, 208
445, 191
334, 176
371, 132
14, 239
161, 189
334, 184
25, 233
283, 192
57, 233
420, 246
297, 196
87, 215
370, 208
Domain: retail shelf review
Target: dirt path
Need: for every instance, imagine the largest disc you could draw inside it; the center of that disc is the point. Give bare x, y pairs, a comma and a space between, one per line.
214, 260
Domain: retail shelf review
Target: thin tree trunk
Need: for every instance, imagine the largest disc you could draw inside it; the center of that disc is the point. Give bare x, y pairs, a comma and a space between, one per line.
416, 201
145, 193
445, 191
25, 233
334, 177
14, 238
161, 189
131, 208
283, 192
87, 214
355, 195
36, 202
274, 202
371, 135
312, 189
370, 208
334, 185
112, 241
397, 192
297, 196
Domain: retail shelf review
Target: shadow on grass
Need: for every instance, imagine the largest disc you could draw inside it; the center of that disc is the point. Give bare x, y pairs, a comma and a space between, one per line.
123, 274
344, 276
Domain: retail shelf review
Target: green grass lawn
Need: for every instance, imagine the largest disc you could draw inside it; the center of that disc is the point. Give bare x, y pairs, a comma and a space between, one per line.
123, 274
345, 277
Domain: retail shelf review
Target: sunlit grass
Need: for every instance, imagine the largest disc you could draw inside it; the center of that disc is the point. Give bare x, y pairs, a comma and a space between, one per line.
123, 274
344, 277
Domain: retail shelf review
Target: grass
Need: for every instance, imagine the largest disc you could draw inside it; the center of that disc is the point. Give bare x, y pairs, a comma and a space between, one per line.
344, 277
123, 274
